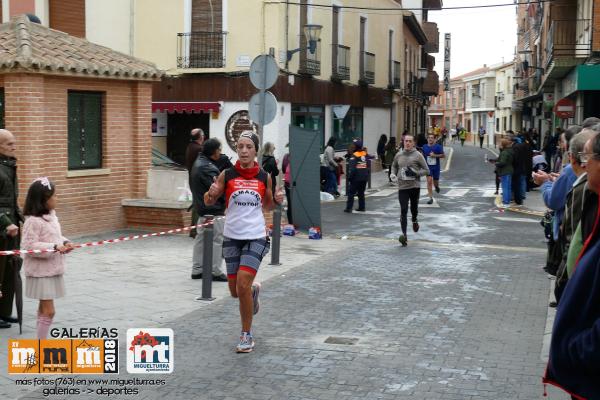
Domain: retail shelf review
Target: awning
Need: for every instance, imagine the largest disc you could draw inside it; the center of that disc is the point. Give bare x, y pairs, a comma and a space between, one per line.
185, 107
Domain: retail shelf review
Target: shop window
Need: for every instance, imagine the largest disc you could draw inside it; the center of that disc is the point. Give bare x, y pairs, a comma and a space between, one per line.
85, 130
347, 127
310, 117
1, 108
497, 124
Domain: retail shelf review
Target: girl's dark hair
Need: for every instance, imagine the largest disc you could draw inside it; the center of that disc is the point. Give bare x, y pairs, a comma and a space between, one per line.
331, 142
383, 138
36, 203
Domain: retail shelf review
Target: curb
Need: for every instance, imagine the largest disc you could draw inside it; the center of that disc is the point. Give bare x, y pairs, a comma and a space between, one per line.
498, 204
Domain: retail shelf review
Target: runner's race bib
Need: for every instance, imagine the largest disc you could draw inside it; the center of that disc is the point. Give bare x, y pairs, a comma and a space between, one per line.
431, 160
404, 177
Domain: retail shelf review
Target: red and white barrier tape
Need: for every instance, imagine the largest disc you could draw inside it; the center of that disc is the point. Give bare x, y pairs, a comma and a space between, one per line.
109, 241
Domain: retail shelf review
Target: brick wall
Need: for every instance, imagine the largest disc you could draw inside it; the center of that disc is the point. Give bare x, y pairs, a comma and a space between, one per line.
36, 112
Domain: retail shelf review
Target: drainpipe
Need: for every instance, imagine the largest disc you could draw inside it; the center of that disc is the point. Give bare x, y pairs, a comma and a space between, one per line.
131, 27
287, 34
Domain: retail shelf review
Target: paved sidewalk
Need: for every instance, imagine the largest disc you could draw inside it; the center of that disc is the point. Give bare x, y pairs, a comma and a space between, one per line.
430, 323
141, 283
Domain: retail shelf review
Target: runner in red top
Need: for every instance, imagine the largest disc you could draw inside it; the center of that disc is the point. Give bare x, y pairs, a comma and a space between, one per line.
248, 192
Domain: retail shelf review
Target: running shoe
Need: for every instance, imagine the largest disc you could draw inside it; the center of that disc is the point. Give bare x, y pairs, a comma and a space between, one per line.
437, 189
415, 226
402, 240
430, 201
255, 293
246, 344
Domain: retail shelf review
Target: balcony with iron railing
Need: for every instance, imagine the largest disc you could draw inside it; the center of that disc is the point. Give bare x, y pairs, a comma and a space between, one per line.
367, 68
340, 63
433, 37
431, 84
310, 61
568, 39
201, 49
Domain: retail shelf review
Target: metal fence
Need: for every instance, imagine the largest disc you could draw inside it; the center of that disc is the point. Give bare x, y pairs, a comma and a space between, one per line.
201, 49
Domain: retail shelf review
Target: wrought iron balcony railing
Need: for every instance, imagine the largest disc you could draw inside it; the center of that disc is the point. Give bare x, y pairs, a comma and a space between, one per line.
568, 38
367, 68
201, 49
341, 62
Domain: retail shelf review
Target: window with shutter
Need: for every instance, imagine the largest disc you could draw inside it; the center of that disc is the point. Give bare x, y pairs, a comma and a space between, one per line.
1, 108
85, 130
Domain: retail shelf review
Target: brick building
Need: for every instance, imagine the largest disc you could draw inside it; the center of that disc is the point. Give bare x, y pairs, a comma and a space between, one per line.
81, 115
558, 59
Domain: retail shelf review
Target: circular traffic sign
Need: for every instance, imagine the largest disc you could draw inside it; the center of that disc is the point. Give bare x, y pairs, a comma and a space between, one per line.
264, 72
565, 108
270, 108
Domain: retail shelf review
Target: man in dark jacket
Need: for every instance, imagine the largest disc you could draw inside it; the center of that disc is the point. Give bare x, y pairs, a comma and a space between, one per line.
358, 175
10, 217
191, 153
574, 363
520, 168
203, 174
194, 147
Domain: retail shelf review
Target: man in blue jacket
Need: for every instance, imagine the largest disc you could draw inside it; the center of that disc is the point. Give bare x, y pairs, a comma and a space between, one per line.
574, 363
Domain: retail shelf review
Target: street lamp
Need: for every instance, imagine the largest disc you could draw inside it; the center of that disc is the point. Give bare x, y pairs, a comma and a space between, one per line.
422, 73
312, 33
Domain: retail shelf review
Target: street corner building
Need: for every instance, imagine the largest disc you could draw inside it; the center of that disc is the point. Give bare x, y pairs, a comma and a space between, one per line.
340, 75
81, 115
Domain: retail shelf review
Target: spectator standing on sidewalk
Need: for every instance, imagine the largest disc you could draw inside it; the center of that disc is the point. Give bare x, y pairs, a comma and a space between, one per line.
10, 218
287, 184
407, 169
504, 169
269, 164
391, 148
381, 150
358, 176
521, 165
481, 133
562, 157
330, 166
554, 188
433, 153
191, 153
574, 362
574, 205
44, 271
248, 192
204, 172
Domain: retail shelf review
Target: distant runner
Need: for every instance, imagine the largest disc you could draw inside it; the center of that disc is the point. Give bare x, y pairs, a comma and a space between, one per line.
433, 153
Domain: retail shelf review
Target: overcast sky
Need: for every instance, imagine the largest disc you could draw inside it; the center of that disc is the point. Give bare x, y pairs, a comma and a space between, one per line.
479, 36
